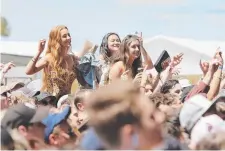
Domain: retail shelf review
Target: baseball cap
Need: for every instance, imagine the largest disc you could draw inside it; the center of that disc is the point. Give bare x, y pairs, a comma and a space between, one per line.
62, 100
23, 113
184, 83
35, 85
15, 84
53, 120
28, 92
17, 115
193, 109
43, 95
205, 126
41, 113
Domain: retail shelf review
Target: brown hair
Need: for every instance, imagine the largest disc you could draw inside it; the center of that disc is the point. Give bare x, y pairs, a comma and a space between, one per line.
162, 99
80, 95
112, 107
124, 54
54, 49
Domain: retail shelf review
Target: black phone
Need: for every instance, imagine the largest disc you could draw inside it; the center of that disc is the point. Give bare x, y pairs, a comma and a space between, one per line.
162, 62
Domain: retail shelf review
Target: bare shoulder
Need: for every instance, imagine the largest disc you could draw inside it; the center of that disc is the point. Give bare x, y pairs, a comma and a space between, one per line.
47, 57
118, 64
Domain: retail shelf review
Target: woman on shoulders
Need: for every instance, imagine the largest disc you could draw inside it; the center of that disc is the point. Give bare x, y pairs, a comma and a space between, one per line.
57, 64
108, 49
129, 60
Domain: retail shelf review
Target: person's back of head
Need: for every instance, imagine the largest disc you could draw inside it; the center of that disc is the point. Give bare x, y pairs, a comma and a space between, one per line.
112, 107
168, 85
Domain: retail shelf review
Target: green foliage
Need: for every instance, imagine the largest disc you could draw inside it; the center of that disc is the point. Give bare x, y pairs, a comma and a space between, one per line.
5, 31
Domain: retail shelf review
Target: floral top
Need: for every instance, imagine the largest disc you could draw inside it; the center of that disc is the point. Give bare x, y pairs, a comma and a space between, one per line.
59, 83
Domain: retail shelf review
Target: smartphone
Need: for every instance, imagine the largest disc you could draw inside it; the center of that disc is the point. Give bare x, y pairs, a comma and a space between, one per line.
162, 62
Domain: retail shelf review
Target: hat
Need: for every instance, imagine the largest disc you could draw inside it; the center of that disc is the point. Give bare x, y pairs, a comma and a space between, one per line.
91, 141
53, 120
184, 83
41, 113
26, 113
35, 85
62, 100
14, 84
17, 115
28, 92
193, 109
44, 95
205, 126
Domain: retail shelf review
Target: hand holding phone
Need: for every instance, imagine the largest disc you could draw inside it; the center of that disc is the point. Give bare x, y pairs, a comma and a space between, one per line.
162, 62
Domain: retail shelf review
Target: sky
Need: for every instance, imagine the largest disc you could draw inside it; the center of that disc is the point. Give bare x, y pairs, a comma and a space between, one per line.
31, 20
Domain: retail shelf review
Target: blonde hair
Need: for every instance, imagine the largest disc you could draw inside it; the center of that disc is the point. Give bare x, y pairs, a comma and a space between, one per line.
19, 97
163, 99
54, 48
111, 107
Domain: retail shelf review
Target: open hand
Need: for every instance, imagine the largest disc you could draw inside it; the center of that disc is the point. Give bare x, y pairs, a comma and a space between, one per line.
204, 67
176, 60
41, 45
7, 67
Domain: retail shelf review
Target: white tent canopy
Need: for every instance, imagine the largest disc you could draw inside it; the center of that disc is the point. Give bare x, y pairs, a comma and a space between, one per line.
193, 50
20, 48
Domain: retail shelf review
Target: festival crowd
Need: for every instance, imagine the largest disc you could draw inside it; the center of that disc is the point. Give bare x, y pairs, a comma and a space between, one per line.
121, 100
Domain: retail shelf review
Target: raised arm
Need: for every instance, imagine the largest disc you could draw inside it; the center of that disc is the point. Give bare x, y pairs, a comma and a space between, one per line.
4, 69
36, 65
215, 84
147, 59
87, 47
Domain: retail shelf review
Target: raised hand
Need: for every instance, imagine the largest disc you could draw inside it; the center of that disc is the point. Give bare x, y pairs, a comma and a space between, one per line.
204, 67
176, 60
41, 45
7, 67
139, 37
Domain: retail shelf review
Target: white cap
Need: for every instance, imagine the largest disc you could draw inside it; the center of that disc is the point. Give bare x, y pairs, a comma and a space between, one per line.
185, 83
207, 125
62, 99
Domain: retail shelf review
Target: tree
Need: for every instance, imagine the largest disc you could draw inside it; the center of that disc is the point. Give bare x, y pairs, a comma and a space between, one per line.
5, 31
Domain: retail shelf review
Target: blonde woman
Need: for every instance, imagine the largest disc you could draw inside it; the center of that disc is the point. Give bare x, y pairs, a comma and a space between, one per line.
57, 64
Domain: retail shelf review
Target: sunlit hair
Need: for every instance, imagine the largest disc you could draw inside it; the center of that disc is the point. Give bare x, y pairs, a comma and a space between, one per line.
54, 48
104, 49
124, 54
19, 97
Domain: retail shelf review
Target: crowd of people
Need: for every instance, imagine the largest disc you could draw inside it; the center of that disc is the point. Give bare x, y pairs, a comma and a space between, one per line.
121, 102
